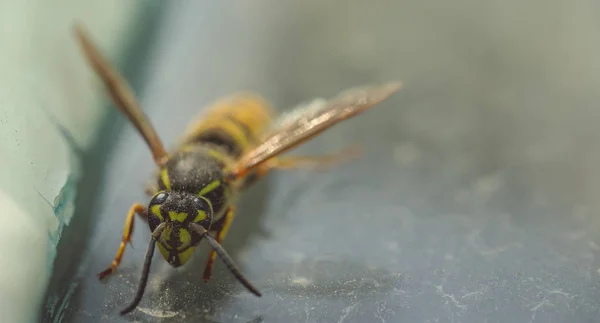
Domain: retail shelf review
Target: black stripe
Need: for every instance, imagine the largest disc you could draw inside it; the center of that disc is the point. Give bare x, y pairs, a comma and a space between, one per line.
243, 126
220, 138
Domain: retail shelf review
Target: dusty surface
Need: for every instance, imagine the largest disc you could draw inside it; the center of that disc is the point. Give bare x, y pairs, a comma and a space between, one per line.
476, 200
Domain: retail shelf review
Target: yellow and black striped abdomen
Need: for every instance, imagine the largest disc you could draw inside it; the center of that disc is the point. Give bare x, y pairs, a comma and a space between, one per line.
235, 124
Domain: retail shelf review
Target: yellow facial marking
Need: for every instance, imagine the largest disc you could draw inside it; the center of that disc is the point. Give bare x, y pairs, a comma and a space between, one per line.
210, 187
185, 255
166, 235
164, 177
200, 217
156, 211
164, 238
174, 216
163, 251
184, 237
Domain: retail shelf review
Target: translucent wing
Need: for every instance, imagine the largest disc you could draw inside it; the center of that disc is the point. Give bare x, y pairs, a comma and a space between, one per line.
122, 95
316, 117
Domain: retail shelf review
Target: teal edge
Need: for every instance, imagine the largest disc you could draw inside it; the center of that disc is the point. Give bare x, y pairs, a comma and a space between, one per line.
63, 204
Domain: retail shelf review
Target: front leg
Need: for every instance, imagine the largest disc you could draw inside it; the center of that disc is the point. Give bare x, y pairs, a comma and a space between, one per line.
221, 228
315, 163
127, 232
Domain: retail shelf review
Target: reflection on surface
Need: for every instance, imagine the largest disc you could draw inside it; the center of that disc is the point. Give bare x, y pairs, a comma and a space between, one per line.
476, 199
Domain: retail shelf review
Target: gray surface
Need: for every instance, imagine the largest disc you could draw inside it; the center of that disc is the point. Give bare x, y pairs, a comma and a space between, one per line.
476, 200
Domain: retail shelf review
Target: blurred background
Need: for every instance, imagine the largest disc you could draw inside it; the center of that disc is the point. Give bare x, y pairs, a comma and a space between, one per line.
475, 200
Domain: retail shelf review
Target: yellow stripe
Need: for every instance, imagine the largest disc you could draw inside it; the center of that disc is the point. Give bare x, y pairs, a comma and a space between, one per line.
184, 237
178, 216
214, 153
234, 130
218, 155
164, 176
163, 251
229, 215
156, 211
228, 219
249, 109
189, 147
210, 187
200, 217
185, 255
166, 235
231, 128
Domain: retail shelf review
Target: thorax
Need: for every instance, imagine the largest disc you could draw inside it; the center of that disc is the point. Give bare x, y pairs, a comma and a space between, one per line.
198, 170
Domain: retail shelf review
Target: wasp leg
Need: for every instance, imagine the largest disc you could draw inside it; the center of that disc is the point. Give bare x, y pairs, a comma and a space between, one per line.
307, 162
127, 232
221, 228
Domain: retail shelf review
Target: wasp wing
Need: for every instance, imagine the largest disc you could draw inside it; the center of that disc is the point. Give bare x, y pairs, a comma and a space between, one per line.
316, 117
122, 95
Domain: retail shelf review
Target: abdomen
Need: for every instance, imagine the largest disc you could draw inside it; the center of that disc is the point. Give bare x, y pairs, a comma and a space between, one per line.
234, 124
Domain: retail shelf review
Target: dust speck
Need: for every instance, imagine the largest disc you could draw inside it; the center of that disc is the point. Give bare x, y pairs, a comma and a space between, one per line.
157, 313
302, 281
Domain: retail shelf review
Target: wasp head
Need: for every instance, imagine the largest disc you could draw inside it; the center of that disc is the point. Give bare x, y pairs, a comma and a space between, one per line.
179, 221
178, 210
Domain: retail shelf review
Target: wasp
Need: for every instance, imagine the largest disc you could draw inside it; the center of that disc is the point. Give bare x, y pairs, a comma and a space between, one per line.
234, 144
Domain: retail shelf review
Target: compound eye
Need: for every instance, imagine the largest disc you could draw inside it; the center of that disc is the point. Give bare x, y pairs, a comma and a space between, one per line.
202, 211
203, 205
159, 198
